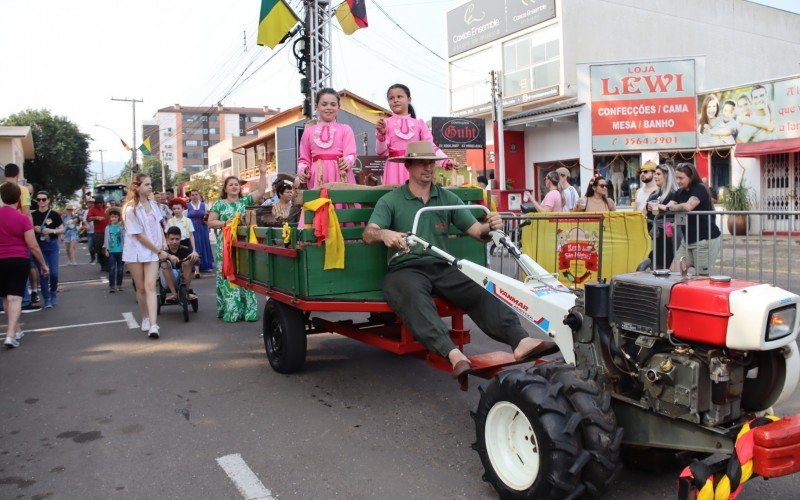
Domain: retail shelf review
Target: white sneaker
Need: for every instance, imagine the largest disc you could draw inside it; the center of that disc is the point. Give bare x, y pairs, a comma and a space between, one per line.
20, 334
153, 333
11, 343
145, 324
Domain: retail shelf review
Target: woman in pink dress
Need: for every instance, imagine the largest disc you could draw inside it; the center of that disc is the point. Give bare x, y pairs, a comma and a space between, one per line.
327, 148
394, 133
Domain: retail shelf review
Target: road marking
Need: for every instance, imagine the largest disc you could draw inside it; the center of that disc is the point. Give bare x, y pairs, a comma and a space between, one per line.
81, 282
66, 327
244, 478
130, 320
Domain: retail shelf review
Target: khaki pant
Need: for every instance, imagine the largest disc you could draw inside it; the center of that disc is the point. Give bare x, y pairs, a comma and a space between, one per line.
702, 255
409, 291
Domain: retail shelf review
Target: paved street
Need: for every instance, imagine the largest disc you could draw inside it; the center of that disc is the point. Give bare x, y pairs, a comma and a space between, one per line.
101, 411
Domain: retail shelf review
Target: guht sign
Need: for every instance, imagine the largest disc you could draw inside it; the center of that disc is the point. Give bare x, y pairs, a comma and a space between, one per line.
459, 133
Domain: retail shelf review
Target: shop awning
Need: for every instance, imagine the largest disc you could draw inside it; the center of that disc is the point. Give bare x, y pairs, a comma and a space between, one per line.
544, 113
750, 150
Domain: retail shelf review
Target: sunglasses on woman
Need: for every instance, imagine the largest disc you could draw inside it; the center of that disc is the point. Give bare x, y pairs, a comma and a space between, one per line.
602, 185
41, 199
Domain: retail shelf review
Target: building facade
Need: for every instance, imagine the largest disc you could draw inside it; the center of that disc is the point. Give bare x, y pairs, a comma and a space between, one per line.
16, 146
539, 48
182, 135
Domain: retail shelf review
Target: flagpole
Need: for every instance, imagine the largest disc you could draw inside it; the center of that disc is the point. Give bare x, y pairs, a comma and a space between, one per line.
133, 146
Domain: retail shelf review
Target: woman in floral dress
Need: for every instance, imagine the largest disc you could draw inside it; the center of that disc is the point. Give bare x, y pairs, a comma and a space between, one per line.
234, 304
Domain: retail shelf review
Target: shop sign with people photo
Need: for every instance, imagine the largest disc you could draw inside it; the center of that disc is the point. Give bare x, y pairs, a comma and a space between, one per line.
752, 113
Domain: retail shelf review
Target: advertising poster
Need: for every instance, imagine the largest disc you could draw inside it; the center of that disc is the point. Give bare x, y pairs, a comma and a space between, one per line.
643, 106
478, 22
459, 133
571, 248
754, 113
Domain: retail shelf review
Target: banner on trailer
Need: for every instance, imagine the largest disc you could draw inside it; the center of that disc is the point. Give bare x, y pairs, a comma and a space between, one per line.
643, 106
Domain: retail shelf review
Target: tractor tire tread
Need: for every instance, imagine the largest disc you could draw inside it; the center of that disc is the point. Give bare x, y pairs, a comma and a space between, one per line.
601, 437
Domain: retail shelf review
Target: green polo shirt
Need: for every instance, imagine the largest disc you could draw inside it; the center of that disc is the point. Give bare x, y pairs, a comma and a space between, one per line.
396, 210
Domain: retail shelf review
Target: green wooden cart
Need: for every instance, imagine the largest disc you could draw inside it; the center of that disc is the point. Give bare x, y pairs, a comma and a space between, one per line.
291, 275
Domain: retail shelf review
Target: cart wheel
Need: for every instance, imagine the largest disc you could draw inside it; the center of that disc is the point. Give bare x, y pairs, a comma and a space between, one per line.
183, 298
284, 331
159, 295
528, 438
600, 435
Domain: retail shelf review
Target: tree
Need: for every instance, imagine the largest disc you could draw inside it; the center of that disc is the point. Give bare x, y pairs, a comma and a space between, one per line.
152, 167
209, 186
61, 163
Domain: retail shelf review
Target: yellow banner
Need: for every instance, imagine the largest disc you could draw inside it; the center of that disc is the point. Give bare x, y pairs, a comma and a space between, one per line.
570, 245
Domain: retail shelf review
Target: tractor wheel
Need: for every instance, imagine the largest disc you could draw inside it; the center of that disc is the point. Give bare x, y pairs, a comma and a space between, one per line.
528, 438
599, 432
284, 331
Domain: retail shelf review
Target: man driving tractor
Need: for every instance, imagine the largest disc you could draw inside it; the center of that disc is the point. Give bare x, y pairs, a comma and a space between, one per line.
415, 276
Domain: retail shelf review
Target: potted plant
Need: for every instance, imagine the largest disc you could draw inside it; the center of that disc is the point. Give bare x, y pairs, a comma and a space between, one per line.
738, 198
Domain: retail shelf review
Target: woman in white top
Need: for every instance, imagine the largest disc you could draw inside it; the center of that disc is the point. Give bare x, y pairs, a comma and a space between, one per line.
143, 247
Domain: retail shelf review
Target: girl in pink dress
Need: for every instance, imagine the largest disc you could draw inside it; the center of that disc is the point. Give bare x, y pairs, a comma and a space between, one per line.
327, 148
394, 133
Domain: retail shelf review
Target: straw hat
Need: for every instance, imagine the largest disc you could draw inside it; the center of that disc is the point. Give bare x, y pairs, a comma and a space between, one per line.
421, 150
113, 210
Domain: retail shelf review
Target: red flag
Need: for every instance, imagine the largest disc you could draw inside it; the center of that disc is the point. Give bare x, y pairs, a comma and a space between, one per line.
124, 145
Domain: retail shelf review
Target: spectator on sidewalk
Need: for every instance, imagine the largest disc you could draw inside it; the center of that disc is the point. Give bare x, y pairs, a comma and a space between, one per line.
113, 242
23, 206
17, 243
97, 214
143, 247
47, 225
570, 193
71, 224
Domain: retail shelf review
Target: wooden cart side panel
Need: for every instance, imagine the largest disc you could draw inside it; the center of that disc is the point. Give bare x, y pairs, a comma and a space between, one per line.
365, 266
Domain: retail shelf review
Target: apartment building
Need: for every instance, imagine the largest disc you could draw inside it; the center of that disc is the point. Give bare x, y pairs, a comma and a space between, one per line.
181, 135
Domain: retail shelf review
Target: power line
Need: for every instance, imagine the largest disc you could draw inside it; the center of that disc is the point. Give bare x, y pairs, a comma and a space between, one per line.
406, 32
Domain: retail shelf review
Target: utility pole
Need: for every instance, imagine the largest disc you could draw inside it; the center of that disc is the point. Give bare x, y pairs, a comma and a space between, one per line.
102, 166
313, 51
133, 145
497, 117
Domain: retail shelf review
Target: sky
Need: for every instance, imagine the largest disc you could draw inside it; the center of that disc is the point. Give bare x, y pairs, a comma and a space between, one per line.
74, 57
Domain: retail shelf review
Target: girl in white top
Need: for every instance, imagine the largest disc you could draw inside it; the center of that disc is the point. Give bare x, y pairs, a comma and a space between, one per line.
144, 247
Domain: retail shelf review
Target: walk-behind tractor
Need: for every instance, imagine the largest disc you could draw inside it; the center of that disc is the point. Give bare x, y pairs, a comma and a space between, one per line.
651, 360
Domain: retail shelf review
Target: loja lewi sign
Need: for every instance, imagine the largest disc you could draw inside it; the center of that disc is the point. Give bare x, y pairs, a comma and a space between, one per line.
643, 106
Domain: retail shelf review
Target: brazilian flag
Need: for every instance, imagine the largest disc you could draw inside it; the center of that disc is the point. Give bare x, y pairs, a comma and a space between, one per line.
274, 23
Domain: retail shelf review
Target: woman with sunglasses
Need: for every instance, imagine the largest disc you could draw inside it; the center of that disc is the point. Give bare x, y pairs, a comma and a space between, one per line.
47, 225
663, 244
596, 199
